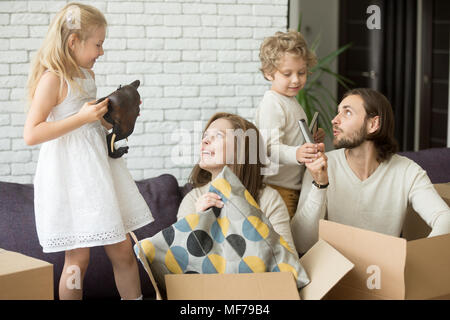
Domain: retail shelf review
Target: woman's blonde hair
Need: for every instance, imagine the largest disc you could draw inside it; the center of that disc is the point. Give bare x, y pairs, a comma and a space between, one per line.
54, 55
273, 49
248, 172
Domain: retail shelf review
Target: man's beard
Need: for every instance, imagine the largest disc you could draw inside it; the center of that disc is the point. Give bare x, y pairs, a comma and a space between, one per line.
354, 141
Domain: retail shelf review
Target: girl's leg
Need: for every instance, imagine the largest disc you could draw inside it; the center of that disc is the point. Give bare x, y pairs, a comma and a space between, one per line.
71, 282
126, 272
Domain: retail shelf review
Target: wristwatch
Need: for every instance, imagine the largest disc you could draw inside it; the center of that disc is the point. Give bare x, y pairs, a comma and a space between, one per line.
320, 186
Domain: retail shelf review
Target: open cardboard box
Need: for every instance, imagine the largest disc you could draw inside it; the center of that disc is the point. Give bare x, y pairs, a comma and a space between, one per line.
414, 227
346, 263
24, 278
388, 267
381, 267
402, 269
324, 265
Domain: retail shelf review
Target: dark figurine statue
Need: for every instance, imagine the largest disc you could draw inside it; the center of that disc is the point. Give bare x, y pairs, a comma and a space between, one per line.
123, 109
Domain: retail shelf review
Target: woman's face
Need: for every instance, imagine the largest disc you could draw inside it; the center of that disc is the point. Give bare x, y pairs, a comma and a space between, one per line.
214, 144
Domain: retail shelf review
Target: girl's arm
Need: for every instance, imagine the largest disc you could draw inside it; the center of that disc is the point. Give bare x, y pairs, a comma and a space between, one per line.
104, 123
37, 130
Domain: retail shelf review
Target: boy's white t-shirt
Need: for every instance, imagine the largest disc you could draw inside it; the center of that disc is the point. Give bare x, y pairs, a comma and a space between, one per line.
277, 119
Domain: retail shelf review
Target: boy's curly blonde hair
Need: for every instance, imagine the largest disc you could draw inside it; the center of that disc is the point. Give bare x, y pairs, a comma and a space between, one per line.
273, 49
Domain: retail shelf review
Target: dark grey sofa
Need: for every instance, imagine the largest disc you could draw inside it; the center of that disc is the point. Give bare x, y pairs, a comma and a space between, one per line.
18, 232
163, 195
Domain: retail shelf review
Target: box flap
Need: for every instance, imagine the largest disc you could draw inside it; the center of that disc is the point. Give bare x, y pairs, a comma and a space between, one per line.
147, 268
13, 262
243, 286
379, 261
427, 272
444, 191
414, 227
24, 278
325, 266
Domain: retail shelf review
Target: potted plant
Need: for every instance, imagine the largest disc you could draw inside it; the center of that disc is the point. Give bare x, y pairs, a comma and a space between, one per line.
315, 96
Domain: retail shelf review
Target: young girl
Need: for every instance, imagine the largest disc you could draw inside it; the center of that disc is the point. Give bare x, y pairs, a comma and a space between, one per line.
218, 138
83, 198
285, 61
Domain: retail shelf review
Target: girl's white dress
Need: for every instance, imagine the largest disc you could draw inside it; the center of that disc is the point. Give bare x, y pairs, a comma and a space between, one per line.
82, 197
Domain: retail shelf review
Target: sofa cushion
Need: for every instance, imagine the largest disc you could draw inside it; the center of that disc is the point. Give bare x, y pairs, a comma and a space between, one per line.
163, 196
18, 232
434, 161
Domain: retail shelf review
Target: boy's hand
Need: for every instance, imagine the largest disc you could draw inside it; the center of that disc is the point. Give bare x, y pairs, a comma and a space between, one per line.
319, 136
307, 153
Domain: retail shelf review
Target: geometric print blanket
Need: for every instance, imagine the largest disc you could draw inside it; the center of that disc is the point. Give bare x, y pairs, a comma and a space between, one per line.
237, 238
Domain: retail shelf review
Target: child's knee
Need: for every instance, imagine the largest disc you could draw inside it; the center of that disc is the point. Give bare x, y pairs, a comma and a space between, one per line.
121, 253
77, 258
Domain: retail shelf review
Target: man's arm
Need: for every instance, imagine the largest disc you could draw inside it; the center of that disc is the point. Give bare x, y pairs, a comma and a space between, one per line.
311, 208
429, 205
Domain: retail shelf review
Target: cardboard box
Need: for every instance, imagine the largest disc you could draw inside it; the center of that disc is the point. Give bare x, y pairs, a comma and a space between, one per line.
346, 263
388, 267
249, 286
24, 278
324, 265
414, 227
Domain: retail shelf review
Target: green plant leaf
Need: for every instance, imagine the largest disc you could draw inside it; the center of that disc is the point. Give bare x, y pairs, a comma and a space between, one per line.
315, 96
341, 79
326, 122
328, 92
315, 43
330, 57
299, 22
301, 98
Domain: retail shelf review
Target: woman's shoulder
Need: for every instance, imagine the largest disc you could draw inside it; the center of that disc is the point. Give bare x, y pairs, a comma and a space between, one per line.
195, 193
268, 195
187, 205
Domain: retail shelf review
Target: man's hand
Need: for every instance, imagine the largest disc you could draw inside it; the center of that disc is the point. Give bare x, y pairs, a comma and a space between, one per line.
319, 169
308, 152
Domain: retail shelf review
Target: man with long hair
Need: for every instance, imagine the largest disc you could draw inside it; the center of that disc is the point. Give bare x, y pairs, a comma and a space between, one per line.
364, 183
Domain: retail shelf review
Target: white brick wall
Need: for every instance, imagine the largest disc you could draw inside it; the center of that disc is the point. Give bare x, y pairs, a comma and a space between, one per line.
193, 58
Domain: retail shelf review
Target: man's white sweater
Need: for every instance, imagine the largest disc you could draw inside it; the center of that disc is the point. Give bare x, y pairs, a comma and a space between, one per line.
378, 203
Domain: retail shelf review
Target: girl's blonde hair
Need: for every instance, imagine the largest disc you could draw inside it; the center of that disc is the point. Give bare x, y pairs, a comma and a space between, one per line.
273, 49
54, 55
